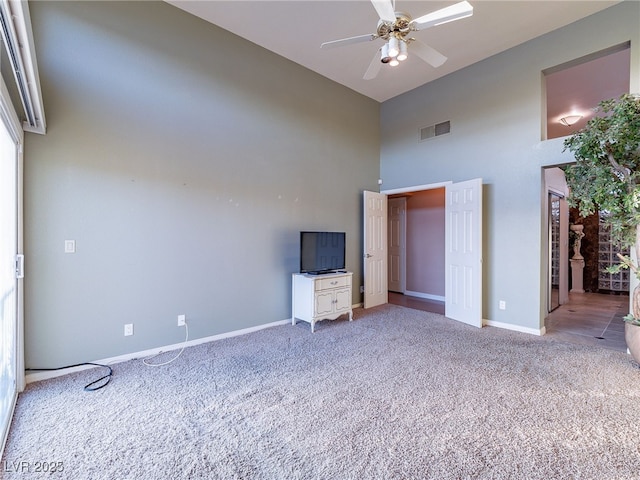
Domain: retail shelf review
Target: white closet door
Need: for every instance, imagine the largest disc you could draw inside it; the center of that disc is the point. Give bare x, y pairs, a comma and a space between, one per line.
463, 254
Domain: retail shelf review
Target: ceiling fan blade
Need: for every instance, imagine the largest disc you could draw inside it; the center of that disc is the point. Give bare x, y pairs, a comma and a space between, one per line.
444, 15
385, 10
374, 66
428, 54
349, 41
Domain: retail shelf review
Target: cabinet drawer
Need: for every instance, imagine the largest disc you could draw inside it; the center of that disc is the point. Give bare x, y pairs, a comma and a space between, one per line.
333, 282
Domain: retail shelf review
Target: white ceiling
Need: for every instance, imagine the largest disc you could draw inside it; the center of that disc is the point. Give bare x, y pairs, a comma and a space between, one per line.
296, 28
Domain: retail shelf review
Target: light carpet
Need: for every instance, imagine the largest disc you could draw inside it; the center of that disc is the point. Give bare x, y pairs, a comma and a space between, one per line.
395, 394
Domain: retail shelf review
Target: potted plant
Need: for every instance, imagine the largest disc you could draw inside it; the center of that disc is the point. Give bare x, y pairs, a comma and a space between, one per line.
606, 177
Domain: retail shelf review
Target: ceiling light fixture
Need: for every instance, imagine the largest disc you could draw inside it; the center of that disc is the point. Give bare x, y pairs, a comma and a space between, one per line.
384, 54
403, 55
394, 48
570, 120
394, 51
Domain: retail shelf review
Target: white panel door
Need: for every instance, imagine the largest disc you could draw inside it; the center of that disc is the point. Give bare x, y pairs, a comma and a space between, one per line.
375, 249
463, 252
397, 244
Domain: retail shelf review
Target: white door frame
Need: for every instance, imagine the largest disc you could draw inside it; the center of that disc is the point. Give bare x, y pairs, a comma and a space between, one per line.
413, 189
416, 188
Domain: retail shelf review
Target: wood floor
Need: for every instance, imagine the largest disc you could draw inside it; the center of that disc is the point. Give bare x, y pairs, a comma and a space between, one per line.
416, 303
588, 318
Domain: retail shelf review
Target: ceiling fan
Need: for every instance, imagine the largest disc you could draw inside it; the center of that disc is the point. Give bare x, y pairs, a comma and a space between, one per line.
395, 29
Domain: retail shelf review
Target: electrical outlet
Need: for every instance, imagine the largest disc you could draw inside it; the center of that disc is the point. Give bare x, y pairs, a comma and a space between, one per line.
69, 246
128, 329
361, 288
182, 319
502, 305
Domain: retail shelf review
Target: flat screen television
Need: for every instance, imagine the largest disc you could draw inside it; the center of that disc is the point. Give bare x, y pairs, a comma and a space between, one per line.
322, 252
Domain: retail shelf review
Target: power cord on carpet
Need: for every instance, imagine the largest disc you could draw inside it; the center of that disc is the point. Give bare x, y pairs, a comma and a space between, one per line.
186, 339
90, 387
96, 385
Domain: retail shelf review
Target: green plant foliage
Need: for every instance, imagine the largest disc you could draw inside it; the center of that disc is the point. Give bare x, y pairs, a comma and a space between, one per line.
606, 175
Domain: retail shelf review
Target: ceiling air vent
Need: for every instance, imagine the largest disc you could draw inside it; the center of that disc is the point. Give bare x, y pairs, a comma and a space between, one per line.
435, 130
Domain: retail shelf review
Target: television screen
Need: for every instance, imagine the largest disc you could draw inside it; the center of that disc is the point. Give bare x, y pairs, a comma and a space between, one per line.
322, 252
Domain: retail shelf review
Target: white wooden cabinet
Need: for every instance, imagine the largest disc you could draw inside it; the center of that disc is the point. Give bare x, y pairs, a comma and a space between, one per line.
320, 297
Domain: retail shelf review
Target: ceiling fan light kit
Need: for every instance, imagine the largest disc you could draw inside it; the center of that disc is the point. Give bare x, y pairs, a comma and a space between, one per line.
394, 49
403, 55
384, 54
394, 28
569, 120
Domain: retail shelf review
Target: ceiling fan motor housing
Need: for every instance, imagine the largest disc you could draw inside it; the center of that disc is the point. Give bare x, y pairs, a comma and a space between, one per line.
400, 27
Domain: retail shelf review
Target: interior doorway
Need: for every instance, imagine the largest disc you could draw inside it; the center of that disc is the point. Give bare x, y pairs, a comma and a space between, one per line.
576, 312
462, 242
555, 250
556, 219
416, 231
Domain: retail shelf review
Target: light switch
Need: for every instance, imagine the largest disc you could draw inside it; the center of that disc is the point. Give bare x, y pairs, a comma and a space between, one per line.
69, 246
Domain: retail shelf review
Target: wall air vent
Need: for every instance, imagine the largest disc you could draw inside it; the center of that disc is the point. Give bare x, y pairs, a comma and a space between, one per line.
435, 130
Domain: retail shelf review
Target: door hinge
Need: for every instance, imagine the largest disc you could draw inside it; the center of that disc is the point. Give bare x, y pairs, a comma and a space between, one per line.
20, 265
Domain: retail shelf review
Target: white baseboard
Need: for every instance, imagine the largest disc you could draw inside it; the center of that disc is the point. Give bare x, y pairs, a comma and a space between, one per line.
38, 376
428, 296
515, 328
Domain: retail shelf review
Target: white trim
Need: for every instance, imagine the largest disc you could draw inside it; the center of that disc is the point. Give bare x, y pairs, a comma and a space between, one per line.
516, 328
19, 36
38, 376
416, 188
9, 115
20, 381
427, 296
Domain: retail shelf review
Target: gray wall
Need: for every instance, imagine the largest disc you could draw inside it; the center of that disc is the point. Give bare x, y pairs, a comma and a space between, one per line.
184, 161
496, 112
425, 242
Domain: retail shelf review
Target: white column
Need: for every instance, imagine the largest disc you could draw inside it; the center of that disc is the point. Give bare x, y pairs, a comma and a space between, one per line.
577, 261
